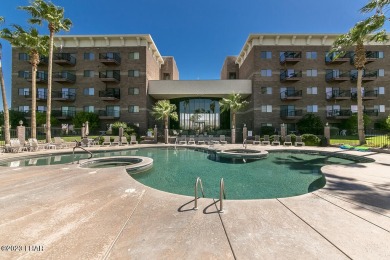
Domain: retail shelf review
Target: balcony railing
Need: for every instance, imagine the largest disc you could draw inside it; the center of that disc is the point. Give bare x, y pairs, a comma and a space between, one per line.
337, 76
110, 58
337, 94
333, 59
110, 76
63, 96
65, 114
108, 114
291, 114
64, 59
370, 56
41, 96
290, 57
339, 113
291, 94
367, 75
41, 76
371, 112
64, 76
367, 95
286, 75
110, 94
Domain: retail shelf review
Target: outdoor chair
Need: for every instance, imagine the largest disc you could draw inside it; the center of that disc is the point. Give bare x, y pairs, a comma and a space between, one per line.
16, 147
257, 140
34, 146
287, 140
124, 141
133, 139
181, 141
59, 143
191, 140
276, 140
106, 140
266, 140
116, 141
201, 140
222, 139
298, 141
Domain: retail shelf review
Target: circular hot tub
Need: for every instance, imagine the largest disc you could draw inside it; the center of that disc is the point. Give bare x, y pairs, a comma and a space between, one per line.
242, 154
133, 164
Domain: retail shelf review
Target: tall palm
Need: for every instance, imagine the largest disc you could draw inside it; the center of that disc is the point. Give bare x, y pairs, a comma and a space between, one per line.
36, 45
367, 30
163, 110
234, 103
7, 136
42, 11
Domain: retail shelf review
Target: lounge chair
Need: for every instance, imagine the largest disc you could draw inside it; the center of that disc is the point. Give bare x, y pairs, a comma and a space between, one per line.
133, 139
276, 140
34, 146
287, 140
16, 147
60, 143
106, 140
124, 141
212, 140
298, 141
116, 141
201, 140
191, 140
222, 139
257, 140
266, 140
181, 141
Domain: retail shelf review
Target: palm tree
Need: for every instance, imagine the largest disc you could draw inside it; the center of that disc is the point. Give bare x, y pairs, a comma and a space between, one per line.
163, 110
7, 136
36, 45
366, 30
234, 103
41, 11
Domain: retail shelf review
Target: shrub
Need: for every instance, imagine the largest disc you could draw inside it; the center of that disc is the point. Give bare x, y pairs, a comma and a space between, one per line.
310, 124
351, 123
92, 118
267, 130
115, 127
311, 140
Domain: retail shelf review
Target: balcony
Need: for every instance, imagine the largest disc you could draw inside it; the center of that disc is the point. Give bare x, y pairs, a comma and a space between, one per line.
290, 57
41, 96
291, 114
64, 96
367, 95
112, 94
64, 59
367, 75
286, 75
27, 114
110, 58
371, 56
333, 59
337, 94
337, 76
41, 77
110, 76
371, 112
291, 94
339, 114
110, 114
65, 114
42, 60
64, 77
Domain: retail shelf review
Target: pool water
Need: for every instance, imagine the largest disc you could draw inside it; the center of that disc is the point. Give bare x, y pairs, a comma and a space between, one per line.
281, 174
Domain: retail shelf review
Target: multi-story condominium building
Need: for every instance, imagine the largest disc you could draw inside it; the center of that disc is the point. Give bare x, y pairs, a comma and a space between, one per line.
284, 76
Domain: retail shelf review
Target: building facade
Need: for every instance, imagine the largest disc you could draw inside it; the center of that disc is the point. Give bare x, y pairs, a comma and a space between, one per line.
284, 76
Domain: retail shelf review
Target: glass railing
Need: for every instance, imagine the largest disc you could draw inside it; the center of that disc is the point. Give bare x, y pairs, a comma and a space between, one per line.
285, 75
69, 58
114, 56
114, 74
337, 93
64, 75
114, 93
289, 55
290, 93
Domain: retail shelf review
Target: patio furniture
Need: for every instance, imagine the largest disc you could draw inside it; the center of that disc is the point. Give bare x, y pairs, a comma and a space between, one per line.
257, 140
287, 140
181, 141
124, 141
133, 139
222, 139
191, 140
116, 141
60, 143
106, 140
276, 140
201, 140
266, 140
298, 141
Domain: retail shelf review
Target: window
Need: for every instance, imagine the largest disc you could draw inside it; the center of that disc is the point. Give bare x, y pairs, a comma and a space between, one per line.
89, 109
266, 73
113, 111
312, 91
133, 73
312, 108
23, 74
266, 55
133, 109
266, 90
266, 108
311, 73
134, 55
266, 124
41, 109
380, 90
89, 73
381, 73
380, 55
354, 108
41, 93
166, 76
381, 108
24, 108
89, 91
89, 56
232, 75
24, 56
68, 111
311, 55
133, 91
24, 91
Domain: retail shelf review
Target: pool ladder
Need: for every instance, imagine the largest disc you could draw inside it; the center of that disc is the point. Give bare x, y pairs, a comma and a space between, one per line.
82, 148
222, 194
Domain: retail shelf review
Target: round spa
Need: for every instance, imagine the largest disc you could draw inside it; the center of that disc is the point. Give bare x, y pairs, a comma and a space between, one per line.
133, 164
242, 154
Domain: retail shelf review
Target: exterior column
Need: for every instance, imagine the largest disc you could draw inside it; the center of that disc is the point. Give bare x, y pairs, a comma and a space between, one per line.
155, 133
21, 132
120, 135
244, 132
283, 131
327, 134
83, 131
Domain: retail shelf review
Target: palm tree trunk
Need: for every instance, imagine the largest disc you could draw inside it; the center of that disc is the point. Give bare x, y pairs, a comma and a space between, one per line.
360, 60
34, 63
166, 129
233, 119
49, 86
7, 135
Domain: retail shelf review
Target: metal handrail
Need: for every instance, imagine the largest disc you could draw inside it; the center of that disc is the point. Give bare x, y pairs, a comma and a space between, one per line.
198, 180
222, 195
244, 144
82, 148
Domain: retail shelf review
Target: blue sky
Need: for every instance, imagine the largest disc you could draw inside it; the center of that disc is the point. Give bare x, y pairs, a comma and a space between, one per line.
199, 34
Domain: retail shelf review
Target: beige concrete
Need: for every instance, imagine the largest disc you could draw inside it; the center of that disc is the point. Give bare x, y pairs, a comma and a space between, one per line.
76, 213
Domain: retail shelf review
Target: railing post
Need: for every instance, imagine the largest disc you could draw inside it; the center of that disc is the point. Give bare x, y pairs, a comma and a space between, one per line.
221, 195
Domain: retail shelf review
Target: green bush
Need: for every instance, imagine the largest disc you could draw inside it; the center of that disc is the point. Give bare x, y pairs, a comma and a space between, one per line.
310, 124
115, 127
267, 130
311, 140
82, 117
351, 123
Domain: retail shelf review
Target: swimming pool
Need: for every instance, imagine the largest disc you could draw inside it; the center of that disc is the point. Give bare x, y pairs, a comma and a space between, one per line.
281, 174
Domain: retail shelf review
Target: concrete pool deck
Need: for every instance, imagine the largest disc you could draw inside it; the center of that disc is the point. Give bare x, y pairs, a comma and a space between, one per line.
68, 212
